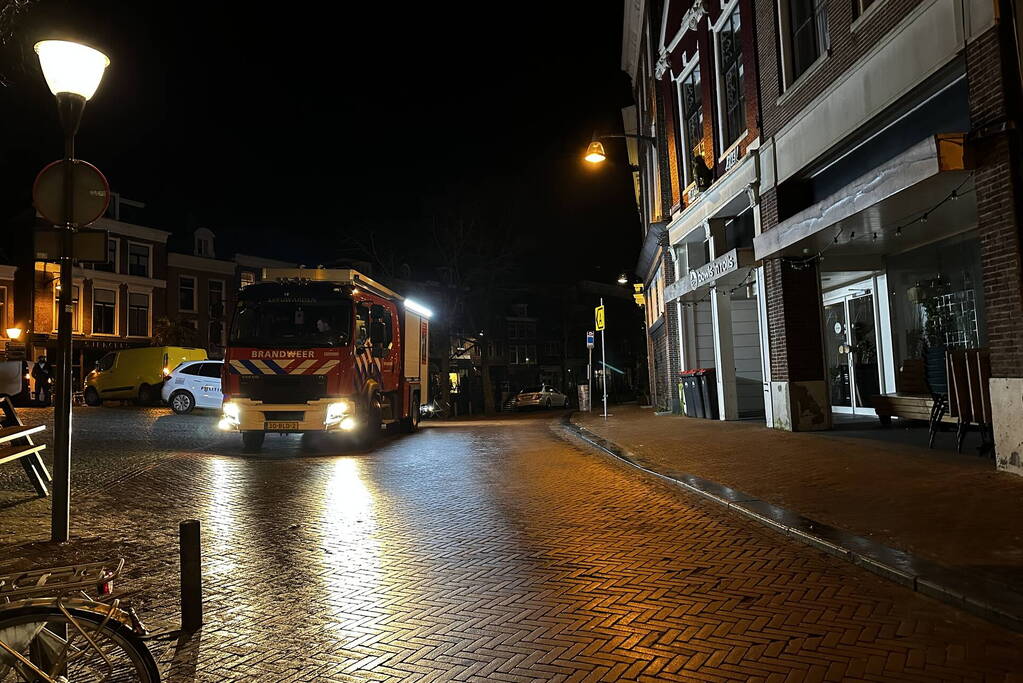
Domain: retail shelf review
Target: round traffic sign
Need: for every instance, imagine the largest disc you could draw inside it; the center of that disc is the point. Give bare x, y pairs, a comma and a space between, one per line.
91, 193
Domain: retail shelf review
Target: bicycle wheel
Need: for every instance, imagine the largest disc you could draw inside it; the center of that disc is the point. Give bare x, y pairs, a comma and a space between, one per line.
116, 654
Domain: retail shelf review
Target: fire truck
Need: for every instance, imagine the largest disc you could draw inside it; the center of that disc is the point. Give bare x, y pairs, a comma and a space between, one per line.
323, 350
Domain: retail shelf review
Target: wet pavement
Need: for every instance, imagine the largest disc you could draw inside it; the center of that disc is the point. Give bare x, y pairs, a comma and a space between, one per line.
479, 550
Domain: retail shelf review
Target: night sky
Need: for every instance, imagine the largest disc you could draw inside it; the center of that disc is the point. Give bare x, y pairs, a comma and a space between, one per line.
286, 127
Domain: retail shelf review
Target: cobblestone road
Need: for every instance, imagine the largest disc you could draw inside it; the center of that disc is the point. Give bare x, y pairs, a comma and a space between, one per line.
492, 550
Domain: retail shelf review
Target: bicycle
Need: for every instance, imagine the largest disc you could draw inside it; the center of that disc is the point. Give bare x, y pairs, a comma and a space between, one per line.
51, 631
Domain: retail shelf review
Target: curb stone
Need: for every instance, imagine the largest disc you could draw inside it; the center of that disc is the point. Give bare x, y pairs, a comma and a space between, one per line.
990, 600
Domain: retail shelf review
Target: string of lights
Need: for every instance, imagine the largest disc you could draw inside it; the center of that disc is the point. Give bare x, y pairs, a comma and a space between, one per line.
920, 217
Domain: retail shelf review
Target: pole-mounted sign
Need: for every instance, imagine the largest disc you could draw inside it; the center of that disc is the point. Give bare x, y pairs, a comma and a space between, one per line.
589, 340
600, 317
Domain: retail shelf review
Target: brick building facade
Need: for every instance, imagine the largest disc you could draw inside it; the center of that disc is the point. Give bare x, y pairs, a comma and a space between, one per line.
870, 206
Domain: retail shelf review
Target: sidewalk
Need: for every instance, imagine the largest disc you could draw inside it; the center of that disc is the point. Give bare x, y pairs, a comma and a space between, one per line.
946, 511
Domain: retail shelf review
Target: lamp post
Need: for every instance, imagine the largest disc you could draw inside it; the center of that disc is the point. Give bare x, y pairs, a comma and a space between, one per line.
73, 73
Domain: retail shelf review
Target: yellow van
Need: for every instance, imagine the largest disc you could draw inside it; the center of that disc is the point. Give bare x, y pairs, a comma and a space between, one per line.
135, 374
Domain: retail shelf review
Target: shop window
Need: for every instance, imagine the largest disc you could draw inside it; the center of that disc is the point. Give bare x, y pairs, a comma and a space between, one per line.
104, 311
138, 315
216, 333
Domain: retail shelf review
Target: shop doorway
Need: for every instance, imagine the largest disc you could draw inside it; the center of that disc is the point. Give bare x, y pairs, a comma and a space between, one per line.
851, 324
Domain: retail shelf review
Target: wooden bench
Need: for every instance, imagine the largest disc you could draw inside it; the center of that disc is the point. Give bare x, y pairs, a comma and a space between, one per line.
16, 444
912, 400
906, 406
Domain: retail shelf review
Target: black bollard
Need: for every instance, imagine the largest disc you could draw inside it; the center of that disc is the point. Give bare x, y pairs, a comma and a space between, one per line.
191, 576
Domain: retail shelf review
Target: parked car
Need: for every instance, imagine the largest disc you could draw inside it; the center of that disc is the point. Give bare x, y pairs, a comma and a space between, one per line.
135, 374
540, 397
194, 384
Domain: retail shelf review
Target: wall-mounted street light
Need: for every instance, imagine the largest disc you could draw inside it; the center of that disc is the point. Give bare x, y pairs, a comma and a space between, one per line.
14, 333
623, 279
73, 73
595, 153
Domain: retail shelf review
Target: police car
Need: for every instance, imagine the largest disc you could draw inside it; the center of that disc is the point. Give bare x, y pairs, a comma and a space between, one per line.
193, 384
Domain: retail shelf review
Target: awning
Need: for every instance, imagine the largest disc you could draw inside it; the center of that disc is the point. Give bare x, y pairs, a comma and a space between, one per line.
888, 197
649, 251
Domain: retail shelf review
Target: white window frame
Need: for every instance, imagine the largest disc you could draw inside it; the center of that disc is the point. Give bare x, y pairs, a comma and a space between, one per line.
117, 308
726, 12
785, 48
76, 320
195, 293
223, 298
149, 268
127, 310
687, 70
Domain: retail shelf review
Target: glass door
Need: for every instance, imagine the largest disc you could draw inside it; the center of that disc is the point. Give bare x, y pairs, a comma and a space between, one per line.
836, 336
850, 333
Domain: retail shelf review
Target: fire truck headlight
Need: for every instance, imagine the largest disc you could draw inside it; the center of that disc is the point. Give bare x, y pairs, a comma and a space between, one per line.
231, 416
336, 412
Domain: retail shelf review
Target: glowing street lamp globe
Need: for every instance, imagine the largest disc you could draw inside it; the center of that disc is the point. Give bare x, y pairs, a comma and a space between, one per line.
595, 153
71, 67
623, 279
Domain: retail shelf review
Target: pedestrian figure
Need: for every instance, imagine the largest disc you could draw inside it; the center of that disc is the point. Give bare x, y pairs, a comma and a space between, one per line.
42, 373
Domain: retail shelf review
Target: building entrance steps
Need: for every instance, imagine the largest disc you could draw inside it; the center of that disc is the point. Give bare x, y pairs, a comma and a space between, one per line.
944, 524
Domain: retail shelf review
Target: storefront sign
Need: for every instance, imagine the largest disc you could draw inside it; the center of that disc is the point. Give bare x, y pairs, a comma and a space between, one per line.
713, 270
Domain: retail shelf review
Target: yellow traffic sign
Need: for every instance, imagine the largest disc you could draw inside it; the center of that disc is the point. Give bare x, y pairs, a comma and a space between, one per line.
600, 318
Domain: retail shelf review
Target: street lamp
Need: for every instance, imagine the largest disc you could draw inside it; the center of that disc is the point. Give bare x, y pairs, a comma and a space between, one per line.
623, 279
595, 153
14, 333
73, 73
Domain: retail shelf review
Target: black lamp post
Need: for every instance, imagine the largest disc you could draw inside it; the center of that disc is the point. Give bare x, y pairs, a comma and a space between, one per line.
73, 72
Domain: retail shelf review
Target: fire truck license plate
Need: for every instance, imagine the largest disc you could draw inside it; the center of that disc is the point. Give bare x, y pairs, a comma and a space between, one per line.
279, 426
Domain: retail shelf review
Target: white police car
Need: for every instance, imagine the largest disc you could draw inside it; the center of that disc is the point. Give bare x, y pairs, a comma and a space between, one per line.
193, 384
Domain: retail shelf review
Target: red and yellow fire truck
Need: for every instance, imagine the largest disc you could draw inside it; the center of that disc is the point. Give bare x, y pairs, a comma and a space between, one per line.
322, 350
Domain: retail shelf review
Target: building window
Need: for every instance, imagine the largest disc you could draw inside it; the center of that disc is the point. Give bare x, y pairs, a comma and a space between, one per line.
551, 348
186, 293
138, 259
111, 265
104, 311
248, 278
522, 354
733, 95
216, 333
138, 314
203, 247
691, 109
3, 311
808, 34
76, 311
216, 298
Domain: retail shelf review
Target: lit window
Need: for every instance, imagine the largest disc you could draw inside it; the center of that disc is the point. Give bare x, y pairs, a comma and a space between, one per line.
691, 109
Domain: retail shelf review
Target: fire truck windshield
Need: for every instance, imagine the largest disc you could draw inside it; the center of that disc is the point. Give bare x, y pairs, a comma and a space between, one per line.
292, 324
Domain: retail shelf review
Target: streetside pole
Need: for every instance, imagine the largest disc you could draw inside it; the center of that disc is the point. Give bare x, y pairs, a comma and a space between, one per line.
589, 379
603, 358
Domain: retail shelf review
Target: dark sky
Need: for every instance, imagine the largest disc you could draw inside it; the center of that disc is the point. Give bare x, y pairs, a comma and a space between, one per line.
285, 127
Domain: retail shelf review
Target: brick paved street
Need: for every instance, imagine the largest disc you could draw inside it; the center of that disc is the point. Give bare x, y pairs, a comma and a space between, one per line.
486, 550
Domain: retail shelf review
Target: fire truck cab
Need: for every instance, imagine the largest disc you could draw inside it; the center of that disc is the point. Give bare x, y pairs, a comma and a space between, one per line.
323, 350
